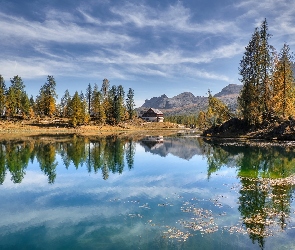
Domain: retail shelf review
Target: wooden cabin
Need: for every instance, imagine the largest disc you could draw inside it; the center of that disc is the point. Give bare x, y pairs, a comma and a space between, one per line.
153, 115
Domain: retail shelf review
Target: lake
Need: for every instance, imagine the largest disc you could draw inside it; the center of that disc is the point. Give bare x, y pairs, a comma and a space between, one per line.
119, 193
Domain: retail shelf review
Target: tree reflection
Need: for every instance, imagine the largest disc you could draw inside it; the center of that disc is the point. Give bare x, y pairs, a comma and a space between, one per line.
2, 164
17, 159
267, 185
130, 152
105, 154
46, 158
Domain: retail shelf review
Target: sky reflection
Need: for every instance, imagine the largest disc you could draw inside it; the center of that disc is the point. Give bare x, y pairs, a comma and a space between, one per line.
155, 203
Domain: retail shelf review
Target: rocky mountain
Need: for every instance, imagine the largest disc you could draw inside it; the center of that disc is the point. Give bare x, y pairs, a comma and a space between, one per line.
231, 89
187, 103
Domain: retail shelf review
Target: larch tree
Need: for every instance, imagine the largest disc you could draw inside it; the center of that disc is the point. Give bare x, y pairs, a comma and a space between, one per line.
77, 111
283, 84
201, 120
217, 112
46, 101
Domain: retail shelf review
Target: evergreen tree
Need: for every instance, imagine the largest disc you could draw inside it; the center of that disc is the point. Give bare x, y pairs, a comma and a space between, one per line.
264, 63
15, 96
130, 104
65, 104
25, 103
255, 69
32, 106
97, 108
249, 95
105, 87
110, 105
88, 97
2, 95
119, 108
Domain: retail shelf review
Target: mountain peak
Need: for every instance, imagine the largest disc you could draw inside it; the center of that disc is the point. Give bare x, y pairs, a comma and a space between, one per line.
231, 89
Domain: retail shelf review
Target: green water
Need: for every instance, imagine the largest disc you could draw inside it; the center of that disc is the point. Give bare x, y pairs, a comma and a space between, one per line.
110, 193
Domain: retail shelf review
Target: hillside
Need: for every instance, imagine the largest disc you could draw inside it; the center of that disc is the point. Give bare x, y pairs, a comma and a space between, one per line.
187, 103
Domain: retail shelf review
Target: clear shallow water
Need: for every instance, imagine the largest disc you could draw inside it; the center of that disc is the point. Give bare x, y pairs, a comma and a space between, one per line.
121, 194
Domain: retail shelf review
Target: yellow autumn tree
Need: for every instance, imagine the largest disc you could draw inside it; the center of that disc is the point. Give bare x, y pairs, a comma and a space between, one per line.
283, 85
46, 100
217, 112
77, 110
201, 120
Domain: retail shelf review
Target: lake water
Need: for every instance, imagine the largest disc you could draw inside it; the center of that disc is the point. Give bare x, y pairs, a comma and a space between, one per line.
110, 193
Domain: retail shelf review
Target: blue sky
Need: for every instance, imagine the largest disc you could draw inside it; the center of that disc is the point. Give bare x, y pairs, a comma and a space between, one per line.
154, 47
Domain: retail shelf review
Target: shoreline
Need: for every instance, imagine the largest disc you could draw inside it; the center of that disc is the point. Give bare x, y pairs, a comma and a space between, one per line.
18, 131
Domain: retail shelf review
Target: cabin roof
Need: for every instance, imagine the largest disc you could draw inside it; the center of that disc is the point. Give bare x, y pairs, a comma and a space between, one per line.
157, 111
152, 111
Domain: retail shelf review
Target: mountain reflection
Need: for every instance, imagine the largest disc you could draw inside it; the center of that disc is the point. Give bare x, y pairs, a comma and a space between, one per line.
267, 183
182, 147
104, 154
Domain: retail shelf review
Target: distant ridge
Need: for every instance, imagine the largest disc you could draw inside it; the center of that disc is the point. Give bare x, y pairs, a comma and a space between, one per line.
187, 103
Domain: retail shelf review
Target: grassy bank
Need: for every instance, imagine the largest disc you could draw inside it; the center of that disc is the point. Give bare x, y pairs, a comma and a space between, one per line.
20, 128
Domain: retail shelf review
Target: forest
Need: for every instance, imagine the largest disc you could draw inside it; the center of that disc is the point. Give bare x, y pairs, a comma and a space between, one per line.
104, 106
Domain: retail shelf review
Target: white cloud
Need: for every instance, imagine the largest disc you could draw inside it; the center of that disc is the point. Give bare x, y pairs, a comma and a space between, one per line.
20, 30
175, 17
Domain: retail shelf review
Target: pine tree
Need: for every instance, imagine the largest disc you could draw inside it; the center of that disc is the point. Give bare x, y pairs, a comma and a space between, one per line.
15, 95
264, 64
130, 104
255, 69
25, 103
2, 95
110, 105
119, 108
249, 94
88, 97
65, 104
97, 108
105, 87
